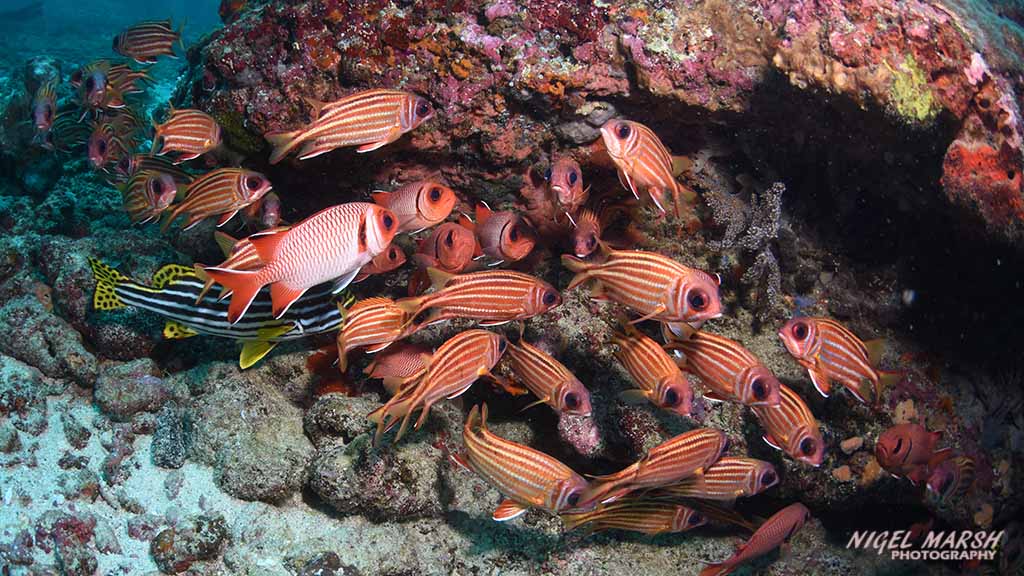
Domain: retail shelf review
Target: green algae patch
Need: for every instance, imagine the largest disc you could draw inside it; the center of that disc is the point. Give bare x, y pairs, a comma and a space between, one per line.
910, 95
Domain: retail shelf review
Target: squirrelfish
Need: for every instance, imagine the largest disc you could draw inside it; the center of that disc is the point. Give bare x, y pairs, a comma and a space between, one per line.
503, 236
791, 427
44, 110
147, 195
129, 164
726, 480
222, 192
373, 324
909, 451
655, 373
565, 181
449, 248
270, 211
592, 227
418, 205
831, 353
399, 363
773, 533
644, 515
104, 146
188, 133
386, 261
643, 162
527, 477
453, 368
145, 41
332, 244
676, 459
951, 479
490, 296
548, 379
102, 85
173, 292
650, 284
368, 119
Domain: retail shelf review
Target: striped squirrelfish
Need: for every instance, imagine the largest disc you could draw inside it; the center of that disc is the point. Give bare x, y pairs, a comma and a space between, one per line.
452, 369
386, 261
549, 380
592, 227
189, 133
332, 244
145, 41
951, 479
502, 236
491, 296
643, 162
400, 363
909, 451
565, 182
791, 427
527, 477
373, 324
644, 515
129, 164
44, 110
418, 205
172, 294
655, 373
676, 459
147, 195
773, 533
730, 371
726, 480
221, 192
831, 353
368, 119
650, 284
104, 147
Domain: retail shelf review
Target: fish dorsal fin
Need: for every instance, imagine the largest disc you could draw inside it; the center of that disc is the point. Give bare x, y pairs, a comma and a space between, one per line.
508, 510
174, 330
225, 242
267, 243
107, 278
876, 349
170, 273
439, 278
315, 105
634, 396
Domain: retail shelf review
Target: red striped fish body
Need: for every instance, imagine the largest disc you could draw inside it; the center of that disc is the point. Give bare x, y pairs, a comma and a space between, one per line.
454, 367
831, 353
653, 370
791, 427
643, 162
147, 194
145, 41
221, 192
491, 297
386, 261
104, 147
548, 379
332, 244
565, 181
668, 463
189, 133
527, 477
503, 236
129, 164
773, 533
951, 479
726, 480
372, 323
399, 363
44, 111
730, 371
418, 205
644, 515
368, 119
650, 284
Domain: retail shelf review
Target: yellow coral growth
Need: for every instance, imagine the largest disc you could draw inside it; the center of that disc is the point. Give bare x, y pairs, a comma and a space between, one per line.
910, 95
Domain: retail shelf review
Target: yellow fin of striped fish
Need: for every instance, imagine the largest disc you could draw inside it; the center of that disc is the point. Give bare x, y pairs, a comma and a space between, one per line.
105, 298
174, 330
171, 272
254, 351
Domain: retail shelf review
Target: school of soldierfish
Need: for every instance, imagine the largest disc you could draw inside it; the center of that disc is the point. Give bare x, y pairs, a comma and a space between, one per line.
291, 281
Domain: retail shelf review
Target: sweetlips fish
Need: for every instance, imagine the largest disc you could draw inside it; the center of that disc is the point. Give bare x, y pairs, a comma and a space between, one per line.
655, 373
145, 41
502, 236
221, 192
386, 261
374, 324
173, 292
548, 379
527, 477
418, 205
645, 515
187, 133
332, 244
643, 162
726, 480
909, 451
791, 427
491, 297
773, 533
368, 119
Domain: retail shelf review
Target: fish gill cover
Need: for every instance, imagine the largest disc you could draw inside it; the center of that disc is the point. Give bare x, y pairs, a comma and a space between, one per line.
382, 287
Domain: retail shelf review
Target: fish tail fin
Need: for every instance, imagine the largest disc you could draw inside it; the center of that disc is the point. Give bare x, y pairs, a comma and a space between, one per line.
476, 422
575, 520
411, 306
283, 143
581, 268
243, 286
225, 242
875, 349
716, 569
107, 278
342, 355
438, 278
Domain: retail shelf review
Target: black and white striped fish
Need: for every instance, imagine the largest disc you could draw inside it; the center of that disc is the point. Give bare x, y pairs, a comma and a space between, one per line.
175, 294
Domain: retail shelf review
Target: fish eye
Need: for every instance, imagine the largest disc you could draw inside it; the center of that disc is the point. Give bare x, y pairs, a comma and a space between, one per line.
388, 221
550, 298
435, 194
573, 499
157, 184
547, 174
623, 130
759, 389
591, 242
807, 446
102, 146
393, 253
422, 108
253, 182
573, 177
502, 345
800, 330
90, 84
572, 401
768, 478
695, 519
449, 239
513, 233
899, 444
671, 397
697, 299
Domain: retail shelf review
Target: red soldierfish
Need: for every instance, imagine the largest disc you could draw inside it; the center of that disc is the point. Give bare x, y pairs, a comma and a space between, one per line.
726, 480
418, 205
368, 119
104, 146
773, 533
221, 192
491, 297
331, 244
655, 373
791, 427
908, 451
644, 515
643, 162
189, 133
548, 379
147, 195
565, 181
503, 236
145, 41
951, 479
527, 477
653, 285
448, 248
831, 353
386, 261
372, 323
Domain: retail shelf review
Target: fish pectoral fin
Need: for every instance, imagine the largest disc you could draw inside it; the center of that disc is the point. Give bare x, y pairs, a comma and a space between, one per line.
821, 381
174, 330
634, 396
649, 315
253, 352
876, 349
769, 440
714, 396
342, 282
225, 217
508, 510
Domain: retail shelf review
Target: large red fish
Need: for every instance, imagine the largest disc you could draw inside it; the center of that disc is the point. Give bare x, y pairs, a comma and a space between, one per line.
527, 477
491, 297
368, 119
503, 236
726, 480
831, 353
655, 373
332, 244
372, 323
909, 451
791, 427
643, 162
644, 515
145, 41
147, 195
418, 205
773, 533
222, 192
548, 379
189, 133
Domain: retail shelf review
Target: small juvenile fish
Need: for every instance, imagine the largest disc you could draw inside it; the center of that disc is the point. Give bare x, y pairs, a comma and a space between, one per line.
222, 192
772, 534
145, 41
643, 162
399, 363
730, 371
831, 353
909, 451
951, 479
418, 205
655, 373
386, 261
676, 459
726, 480
332, 244
368, 119
189, 133
592, 227
491, 296
147, 195
565, 181
503, 236
373, 324
548, 379
644, 515
527, 477
44, 110
587, 234
453, 368
791, 427
653, 285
